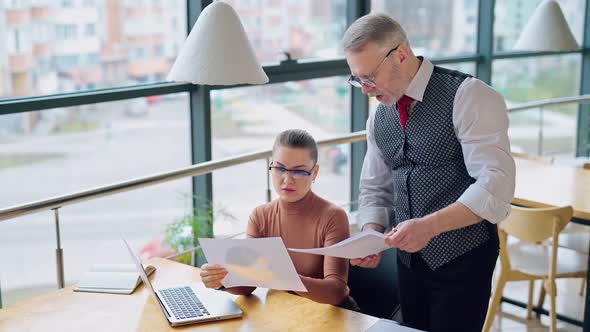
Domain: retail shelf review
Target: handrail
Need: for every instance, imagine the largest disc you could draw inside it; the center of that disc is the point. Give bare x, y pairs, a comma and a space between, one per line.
209, 166
549, 102
193, 170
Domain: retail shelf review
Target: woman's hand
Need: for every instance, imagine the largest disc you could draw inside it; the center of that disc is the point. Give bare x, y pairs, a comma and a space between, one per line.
369, 262
211, 275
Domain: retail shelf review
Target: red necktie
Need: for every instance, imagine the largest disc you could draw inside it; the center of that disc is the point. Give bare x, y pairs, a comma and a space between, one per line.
403, 104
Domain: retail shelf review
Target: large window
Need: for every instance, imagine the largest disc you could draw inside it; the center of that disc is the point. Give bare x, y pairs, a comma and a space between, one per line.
435, 28
124, 37
512, 16
248, 119
464, 67
69, 149
551, 130
60, 151
303, 28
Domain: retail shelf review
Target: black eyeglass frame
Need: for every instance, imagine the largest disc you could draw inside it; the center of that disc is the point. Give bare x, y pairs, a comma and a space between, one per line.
303, 173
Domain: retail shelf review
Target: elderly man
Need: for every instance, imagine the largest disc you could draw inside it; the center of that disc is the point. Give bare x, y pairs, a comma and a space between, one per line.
438, 160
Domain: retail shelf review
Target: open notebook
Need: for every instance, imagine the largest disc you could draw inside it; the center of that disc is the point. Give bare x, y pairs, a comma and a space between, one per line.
112, 278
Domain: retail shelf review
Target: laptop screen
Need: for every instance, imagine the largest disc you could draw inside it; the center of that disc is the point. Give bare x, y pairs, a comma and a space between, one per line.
144, 277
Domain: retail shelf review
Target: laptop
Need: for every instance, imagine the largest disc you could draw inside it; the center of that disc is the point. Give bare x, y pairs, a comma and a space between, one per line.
185, 305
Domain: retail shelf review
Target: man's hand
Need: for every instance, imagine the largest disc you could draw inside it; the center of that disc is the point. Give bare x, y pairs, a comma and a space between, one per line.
371, 261
412, 235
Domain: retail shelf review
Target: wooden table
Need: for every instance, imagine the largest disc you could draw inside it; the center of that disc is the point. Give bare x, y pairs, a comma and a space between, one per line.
66, 310
543, 185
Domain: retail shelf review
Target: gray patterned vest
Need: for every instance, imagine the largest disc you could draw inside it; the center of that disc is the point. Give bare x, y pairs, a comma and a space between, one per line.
428, 167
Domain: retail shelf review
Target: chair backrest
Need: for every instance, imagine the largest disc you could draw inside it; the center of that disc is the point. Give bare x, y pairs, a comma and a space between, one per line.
376, 290
535, 225
586, 166
540, 159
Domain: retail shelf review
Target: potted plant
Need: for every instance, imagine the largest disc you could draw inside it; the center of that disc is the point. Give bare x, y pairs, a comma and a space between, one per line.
183, 234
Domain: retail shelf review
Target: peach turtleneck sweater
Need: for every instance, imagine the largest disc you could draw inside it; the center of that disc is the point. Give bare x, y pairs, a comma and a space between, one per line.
311, 222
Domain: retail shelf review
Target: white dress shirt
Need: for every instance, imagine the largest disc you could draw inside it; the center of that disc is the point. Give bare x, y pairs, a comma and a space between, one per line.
480, 121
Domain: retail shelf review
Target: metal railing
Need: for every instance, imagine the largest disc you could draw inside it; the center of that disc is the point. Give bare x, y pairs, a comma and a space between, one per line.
541, 105
55, 203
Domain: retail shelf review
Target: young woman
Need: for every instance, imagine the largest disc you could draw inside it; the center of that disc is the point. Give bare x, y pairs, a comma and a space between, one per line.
302, 219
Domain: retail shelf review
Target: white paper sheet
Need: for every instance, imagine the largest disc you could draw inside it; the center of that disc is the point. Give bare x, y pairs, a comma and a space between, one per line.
262, 262
359, 245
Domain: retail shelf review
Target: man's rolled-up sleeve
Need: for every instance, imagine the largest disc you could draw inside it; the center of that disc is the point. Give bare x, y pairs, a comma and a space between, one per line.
481, 123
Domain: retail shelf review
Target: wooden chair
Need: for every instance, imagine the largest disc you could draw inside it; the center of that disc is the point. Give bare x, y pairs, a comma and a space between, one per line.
526, 258
576, 237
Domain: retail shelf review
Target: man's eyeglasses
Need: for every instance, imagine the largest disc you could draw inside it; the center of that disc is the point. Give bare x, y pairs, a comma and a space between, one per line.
370, 81
297, 174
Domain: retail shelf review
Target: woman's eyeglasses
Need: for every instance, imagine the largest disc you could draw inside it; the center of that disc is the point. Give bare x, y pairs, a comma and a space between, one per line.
296, 174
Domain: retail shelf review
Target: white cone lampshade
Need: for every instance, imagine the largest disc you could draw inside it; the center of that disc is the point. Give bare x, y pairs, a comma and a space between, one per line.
217, 51
546, 30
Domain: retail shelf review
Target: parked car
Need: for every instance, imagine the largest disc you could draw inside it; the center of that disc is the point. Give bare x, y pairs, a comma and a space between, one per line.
137, 107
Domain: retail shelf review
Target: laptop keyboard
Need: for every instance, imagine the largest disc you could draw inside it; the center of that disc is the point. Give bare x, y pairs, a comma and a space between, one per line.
183, 302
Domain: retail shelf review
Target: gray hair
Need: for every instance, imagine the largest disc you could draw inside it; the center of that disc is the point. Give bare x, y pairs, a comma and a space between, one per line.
297, 138
378, 28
